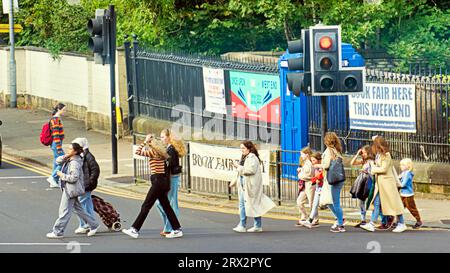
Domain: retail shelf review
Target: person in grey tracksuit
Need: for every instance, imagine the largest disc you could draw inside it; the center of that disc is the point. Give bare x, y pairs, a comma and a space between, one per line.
72, 186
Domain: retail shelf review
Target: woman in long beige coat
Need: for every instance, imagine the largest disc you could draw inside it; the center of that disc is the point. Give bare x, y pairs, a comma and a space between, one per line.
252, 201
386, 195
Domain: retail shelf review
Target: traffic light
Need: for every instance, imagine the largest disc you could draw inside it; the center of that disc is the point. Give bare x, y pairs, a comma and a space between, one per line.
98, 43
328, 75
325, 59
299, 81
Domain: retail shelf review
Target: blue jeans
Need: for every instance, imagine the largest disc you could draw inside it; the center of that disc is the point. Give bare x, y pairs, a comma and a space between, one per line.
172, 195
88, 206
362, 206
56, 167
336, 206
315, 207
242, 215
377, 212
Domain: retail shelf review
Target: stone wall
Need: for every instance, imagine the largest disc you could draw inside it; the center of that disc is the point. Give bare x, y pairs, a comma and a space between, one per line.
73, 79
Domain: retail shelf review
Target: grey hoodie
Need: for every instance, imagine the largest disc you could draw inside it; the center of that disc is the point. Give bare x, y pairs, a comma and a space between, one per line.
73, 179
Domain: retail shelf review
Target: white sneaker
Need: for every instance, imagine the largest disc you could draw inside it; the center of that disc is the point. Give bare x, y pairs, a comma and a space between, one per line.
255, 229
92, 232
399, 228
52, 235
239, 228
52, 182
307, 224
81, 230
369, 227
175, 234
131, 232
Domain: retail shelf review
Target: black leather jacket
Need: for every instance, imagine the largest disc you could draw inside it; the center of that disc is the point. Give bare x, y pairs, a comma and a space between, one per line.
173, 161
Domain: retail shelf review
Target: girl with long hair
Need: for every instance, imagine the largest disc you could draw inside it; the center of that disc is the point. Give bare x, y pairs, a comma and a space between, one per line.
386, 196
252, 201
57, 132
331, 194
175, 150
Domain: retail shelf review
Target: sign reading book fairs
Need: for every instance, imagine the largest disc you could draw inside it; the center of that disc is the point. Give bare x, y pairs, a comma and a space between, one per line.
384, 107
216, 162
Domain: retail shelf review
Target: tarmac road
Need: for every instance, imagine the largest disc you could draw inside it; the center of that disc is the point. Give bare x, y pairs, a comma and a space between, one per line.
28, 210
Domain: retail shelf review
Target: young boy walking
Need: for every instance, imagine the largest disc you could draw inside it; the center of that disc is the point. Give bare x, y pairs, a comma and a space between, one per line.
407, 191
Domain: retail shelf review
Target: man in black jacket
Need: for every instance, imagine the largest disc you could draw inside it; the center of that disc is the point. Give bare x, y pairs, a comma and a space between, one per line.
91, 171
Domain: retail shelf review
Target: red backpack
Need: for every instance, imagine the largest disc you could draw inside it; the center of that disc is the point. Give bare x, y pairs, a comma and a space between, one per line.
46, 134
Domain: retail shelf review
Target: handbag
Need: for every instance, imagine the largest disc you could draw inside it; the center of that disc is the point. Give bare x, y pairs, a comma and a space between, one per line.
301, 185
358, 187
336, 172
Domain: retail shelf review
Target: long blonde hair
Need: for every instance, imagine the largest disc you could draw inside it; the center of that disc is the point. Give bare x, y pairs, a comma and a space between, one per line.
178, 144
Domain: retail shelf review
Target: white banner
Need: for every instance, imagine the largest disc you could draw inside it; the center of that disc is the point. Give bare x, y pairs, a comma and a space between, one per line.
6, 6
216, 162
384, 107
214, 84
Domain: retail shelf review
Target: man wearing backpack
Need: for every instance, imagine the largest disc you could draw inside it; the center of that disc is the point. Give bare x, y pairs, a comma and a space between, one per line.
91, 171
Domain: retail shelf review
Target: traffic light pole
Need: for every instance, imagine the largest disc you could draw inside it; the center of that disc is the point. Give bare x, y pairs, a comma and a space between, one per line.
324, 122
112, 77
12, 59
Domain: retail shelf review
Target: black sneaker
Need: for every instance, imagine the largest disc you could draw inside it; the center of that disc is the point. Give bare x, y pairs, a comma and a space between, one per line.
418, 225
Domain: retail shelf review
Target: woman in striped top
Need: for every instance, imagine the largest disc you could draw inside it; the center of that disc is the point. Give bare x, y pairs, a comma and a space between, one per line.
160, 179
57, 129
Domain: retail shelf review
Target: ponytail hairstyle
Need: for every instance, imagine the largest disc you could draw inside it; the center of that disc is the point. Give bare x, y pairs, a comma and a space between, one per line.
178, 144
58, 107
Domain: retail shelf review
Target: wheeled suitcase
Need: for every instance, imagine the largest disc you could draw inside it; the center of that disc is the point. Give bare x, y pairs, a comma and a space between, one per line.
110, 217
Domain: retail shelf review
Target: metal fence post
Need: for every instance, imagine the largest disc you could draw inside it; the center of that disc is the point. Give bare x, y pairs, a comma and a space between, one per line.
135, 81
134, 162
278, 174
189, 185
127, 47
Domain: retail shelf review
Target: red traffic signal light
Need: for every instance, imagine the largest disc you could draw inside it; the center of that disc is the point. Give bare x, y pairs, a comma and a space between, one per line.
325, 43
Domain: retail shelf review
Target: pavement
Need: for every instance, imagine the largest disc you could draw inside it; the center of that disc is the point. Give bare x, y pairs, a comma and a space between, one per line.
20, 132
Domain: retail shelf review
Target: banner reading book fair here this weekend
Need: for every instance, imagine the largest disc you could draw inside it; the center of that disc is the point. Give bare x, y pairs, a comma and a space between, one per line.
384, 107
216, 162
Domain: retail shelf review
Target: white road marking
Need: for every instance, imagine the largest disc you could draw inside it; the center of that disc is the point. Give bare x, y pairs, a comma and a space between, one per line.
20, 177
42, 244
23, 190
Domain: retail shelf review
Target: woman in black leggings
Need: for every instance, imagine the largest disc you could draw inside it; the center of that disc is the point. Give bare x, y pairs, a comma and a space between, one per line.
160, 180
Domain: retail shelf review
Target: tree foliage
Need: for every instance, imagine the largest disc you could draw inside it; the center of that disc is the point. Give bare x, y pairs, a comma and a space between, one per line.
407, 29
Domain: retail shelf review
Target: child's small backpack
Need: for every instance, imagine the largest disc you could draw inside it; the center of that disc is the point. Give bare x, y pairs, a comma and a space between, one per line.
46, 135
